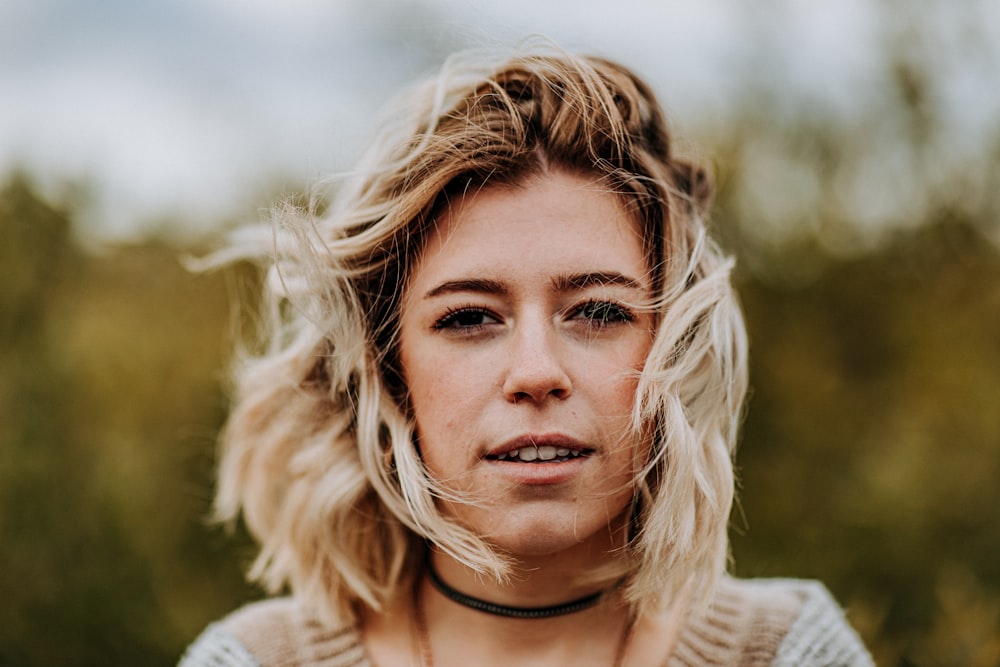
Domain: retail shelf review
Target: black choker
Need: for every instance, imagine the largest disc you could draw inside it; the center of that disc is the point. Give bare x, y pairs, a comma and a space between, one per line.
510, 612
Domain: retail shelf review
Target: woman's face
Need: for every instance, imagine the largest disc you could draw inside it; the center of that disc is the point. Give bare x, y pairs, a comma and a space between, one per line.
521, 336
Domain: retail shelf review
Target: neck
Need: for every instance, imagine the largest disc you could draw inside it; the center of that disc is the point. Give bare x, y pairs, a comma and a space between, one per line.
591, 636
594, 635
508, 611
533, 584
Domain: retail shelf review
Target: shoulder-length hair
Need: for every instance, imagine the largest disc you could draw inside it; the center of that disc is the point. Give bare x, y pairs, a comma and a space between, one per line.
318, 452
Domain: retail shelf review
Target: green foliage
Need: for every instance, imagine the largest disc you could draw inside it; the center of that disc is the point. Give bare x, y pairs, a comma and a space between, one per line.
869, 459
872, 447
109, 404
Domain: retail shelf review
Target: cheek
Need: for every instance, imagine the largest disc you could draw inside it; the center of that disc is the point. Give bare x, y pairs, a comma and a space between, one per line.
441, 396
429, 399
618, 376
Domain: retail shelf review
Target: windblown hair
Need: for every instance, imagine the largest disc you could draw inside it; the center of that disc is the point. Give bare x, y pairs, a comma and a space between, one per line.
318, 454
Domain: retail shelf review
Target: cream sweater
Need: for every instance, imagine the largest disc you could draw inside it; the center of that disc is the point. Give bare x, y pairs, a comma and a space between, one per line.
785, 623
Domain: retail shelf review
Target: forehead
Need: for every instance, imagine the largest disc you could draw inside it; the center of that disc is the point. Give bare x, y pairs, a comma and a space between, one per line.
550, 223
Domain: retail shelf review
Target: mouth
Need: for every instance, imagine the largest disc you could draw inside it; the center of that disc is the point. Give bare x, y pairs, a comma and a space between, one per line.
540, 450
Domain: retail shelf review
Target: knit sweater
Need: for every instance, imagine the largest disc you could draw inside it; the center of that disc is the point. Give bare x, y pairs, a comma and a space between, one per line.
751, 623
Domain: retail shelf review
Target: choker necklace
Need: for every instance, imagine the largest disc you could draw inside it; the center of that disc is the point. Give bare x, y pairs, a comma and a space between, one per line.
422, 636
511, 612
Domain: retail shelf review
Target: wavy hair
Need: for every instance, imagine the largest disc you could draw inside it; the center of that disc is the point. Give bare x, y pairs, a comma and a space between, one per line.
318, 453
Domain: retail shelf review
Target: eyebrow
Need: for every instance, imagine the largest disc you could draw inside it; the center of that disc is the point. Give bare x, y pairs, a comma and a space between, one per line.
480, 285
578, 281
569, 283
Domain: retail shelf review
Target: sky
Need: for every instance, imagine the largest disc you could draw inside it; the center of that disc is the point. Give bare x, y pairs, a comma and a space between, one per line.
160, 111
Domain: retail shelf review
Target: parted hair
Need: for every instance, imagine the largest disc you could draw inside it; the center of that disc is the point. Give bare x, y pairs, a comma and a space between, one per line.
318, 453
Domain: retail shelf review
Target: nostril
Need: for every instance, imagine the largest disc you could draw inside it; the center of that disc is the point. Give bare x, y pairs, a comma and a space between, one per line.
521, 396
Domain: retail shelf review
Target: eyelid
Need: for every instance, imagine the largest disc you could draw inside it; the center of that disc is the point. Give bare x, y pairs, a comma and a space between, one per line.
450, 315
627, 313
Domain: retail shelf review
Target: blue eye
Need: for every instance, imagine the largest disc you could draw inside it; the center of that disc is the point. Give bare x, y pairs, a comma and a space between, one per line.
465, 319
603, 313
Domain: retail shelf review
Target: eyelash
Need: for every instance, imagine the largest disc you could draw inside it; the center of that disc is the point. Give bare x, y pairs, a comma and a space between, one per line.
452, 318
604, 313
598, 313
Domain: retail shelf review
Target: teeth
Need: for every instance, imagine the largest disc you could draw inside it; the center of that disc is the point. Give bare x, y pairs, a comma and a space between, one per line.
546, 453
543, 453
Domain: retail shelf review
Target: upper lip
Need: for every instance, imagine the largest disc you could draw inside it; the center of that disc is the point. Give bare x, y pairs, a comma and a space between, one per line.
551, 440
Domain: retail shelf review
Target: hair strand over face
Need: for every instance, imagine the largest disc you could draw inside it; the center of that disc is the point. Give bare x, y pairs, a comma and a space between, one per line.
318, 453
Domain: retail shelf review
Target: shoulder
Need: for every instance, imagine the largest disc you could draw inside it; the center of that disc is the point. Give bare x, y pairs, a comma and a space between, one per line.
820, 634
275, 633
771, 622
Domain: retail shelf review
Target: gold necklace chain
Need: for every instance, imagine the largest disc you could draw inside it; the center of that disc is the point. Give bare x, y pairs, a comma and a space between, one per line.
426, 654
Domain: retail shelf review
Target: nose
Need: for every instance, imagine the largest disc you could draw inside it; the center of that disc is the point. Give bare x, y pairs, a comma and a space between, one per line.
536, 371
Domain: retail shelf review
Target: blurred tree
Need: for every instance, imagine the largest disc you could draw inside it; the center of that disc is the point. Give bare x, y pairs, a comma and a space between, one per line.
869, 460
868, 254
109, 403
872, 446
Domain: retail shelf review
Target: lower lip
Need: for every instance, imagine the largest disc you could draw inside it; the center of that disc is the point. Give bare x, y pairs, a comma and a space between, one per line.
540, 473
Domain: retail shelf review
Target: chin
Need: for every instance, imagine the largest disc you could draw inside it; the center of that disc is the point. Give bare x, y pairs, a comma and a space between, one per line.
548, 537
535, 546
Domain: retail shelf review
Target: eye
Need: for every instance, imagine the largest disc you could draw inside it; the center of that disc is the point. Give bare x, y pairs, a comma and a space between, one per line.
603, 313
466, 318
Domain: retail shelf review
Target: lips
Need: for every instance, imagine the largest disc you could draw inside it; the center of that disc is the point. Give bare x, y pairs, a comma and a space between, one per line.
539, 449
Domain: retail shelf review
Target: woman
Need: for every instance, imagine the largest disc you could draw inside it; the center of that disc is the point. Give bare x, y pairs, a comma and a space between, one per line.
495, 419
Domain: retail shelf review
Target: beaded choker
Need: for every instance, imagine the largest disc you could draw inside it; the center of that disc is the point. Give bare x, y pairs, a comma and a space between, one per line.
510, 612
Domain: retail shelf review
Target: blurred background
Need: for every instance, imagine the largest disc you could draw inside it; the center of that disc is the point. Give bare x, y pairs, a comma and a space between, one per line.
857, 152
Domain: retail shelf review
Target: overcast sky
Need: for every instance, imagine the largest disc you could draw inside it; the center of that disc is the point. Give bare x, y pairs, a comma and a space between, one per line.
197, 109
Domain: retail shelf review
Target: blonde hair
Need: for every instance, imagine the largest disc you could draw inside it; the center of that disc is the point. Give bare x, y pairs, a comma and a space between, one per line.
318, 451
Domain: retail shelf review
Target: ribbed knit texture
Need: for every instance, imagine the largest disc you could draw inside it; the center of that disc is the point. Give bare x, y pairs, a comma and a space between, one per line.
743, 628
751, 623
216, 647
814, 638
